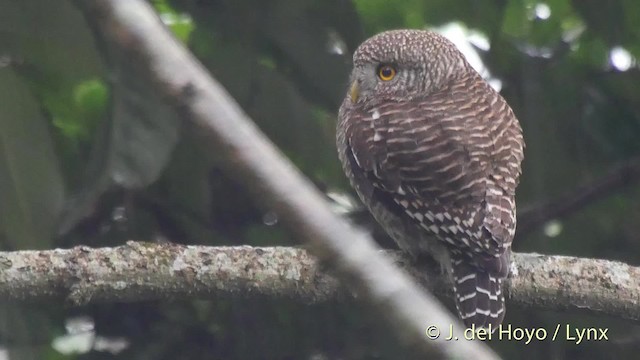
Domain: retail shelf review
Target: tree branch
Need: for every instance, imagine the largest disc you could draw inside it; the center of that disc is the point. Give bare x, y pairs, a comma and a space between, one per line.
145, 271
133, 30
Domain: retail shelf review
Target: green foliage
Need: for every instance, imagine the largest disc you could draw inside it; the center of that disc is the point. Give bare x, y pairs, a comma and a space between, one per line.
379, 15
180, 24
77, 116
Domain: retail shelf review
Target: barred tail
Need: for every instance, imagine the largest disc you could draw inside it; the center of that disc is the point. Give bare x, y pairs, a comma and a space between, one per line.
478, 291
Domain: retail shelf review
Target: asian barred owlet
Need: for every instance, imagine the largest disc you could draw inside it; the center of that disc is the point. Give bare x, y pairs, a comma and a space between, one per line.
434, 153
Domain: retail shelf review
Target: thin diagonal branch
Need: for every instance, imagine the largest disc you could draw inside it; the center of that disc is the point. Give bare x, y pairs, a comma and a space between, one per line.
619, 177
133, 30
144, 271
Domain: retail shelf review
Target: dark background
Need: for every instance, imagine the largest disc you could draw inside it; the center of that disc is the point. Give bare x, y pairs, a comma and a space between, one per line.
89, 155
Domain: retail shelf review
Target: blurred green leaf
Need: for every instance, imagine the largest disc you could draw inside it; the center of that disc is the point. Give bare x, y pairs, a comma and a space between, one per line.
90, 97
515, 22
31, 186
180, 24
77, 115
378, 15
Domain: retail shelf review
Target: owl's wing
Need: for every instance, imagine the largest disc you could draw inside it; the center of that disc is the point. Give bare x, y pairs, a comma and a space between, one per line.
412, 147
451, 161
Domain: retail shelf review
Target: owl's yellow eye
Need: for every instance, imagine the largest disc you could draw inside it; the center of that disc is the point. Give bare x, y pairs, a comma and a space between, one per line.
386, 72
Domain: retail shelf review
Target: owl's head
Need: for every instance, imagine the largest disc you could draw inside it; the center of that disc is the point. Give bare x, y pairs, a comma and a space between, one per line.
400, 65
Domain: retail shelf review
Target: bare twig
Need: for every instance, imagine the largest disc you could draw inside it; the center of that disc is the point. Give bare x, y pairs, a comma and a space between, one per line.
144, 271
619, 177
132, 29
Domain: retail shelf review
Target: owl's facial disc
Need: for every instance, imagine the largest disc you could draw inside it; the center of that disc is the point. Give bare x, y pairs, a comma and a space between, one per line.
372, 79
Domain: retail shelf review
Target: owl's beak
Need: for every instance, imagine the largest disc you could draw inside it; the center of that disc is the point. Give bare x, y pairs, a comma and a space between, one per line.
354, 91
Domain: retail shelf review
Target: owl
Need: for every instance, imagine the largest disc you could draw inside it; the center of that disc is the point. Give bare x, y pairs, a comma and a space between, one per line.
435, 154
